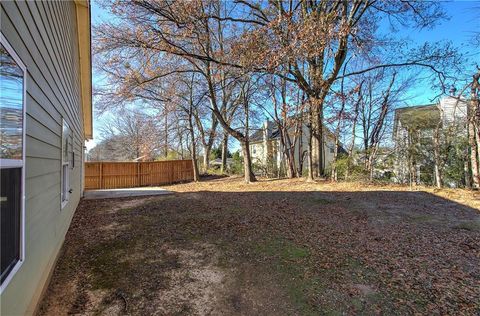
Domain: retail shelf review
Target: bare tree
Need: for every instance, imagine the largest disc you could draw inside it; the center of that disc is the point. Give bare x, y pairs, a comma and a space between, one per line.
303, 42
288, 113
136, 132
183, 29
474, 127
311, 41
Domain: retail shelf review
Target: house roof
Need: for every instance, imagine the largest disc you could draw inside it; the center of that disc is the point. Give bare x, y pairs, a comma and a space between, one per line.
84, 45
218, 161
420, 116
272, 130
256, 136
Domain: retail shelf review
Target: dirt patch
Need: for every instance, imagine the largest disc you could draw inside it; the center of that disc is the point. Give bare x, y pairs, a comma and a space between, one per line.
196, 286
122, 258
126, 203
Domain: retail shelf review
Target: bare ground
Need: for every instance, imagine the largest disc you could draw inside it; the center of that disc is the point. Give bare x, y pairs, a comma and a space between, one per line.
283, 247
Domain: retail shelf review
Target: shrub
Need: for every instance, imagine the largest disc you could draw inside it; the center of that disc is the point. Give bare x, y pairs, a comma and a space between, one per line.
237, 164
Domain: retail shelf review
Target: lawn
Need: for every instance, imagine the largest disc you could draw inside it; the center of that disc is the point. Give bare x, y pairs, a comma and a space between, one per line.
281, 247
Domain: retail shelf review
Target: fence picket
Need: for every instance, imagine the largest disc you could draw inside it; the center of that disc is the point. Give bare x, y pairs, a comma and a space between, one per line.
111, 175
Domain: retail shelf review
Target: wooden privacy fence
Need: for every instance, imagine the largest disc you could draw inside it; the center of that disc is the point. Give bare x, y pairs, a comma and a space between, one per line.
111, 175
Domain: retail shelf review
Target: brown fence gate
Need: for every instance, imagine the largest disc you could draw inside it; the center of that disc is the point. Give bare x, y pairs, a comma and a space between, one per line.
111, 175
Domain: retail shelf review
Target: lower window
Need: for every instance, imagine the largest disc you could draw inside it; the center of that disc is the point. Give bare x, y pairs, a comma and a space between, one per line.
66, 149
12, 161
10, 214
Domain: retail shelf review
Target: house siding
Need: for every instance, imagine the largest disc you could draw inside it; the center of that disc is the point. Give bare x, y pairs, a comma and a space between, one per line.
44, 36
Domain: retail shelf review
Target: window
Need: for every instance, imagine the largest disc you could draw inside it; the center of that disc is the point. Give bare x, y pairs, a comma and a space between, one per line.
12, 161
67, 146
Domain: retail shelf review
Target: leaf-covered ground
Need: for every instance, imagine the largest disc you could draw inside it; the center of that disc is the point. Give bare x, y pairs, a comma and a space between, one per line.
284, 247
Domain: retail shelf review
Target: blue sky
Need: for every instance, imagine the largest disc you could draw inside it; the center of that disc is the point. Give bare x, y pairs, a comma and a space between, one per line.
464, 20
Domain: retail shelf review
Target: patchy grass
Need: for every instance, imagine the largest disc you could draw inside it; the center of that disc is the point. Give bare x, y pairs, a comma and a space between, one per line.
283, 247
469, 225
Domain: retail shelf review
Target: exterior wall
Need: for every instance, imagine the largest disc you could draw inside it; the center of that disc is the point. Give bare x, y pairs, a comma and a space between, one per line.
257, 152
453, 112
44, 36
266, 154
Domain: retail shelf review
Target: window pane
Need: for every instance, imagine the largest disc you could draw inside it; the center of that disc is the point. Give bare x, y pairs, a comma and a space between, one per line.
65, 183
65, 141
10, 208
11, 107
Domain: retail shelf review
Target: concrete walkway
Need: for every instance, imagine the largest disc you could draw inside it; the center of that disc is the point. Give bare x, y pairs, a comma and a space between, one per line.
127, 192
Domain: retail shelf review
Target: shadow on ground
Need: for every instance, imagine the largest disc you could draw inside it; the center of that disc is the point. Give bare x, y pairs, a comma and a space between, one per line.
270, 253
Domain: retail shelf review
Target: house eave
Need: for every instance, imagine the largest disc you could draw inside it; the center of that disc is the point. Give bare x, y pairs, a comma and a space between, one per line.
84, 47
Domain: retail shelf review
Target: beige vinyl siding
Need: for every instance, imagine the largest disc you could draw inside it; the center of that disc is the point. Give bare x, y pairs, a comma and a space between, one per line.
44, 36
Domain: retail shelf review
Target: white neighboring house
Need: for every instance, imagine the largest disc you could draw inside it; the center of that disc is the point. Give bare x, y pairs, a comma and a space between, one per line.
266, 148
424, 120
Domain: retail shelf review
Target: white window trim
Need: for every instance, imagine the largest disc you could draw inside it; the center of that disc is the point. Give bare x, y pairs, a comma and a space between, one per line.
13, 163
67, 163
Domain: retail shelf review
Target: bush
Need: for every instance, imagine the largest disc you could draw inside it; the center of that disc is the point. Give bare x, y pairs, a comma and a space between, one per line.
237, 164
357, 172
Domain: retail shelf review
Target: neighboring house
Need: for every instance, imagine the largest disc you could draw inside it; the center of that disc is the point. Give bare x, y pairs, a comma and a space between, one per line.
414, 132
266, 148
217, 163
45, 117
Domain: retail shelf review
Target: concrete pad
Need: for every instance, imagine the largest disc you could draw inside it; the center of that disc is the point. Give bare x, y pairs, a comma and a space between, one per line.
127, 192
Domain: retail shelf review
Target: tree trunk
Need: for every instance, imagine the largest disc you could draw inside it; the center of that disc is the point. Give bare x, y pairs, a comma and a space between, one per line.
247, 163
320, 164
473, 145
436, 151
182, 154
301, 154
466, 170
166, 136
473, 155
196, 173
354, 126
242, 138
287, 152
371, 159
206, 157
472, 131
223, 167
310, 156
334, 162
477, 142
291, 161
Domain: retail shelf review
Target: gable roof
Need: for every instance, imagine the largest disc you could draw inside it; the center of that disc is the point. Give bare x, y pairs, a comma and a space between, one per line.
273, 133
420, 116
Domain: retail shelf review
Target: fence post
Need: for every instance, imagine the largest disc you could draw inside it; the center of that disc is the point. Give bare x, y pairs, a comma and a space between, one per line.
139, 179
101, 175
